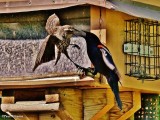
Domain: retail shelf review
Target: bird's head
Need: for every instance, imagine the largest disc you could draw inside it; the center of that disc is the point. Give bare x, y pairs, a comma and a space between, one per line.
63, 32
67, 31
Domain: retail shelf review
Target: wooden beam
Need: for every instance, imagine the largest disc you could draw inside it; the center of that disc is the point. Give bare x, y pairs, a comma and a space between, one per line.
46, 82
149, 2
29, 107
136, 106
97, 20
110, 104
64, 115
52, 98
8, 100
39, 76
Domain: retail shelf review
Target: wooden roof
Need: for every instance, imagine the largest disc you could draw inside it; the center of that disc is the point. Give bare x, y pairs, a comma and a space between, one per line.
12, 6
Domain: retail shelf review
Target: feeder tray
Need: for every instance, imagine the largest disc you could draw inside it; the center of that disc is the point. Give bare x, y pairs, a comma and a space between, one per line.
48, 80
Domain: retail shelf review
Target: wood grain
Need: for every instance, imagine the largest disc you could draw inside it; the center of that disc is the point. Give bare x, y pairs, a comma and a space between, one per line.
29, 107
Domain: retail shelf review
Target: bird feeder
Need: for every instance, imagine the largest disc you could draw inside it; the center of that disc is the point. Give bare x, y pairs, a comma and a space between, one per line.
142, 49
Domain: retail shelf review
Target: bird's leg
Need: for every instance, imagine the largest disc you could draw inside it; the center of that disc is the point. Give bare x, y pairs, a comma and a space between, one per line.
58, 57
75, 46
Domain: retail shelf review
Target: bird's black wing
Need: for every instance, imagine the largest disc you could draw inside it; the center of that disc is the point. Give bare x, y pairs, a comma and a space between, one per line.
47, 51
114, 75
107, 58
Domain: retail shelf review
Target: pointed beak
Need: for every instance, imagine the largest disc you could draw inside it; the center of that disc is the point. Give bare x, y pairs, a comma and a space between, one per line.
77, 33
68, 30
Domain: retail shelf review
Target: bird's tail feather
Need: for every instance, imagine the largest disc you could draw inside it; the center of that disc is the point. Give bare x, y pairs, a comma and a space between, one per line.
113, 82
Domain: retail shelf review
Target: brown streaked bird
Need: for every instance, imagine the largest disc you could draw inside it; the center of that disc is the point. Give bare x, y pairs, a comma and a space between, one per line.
59, 36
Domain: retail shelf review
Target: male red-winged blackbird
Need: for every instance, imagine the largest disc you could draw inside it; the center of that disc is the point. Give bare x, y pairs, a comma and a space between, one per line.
102, 61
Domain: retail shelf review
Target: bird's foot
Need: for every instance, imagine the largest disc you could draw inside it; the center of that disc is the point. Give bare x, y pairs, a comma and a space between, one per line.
80, 69
90, 72
86, 72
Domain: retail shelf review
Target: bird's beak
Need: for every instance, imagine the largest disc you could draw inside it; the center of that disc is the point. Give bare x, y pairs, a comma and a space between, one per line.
77, 32
68, 30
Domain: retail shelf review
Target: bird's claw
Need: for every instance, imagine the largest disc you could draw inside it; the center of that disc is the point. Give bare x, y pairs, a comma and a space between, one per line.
86, 71
80, 69
90, 72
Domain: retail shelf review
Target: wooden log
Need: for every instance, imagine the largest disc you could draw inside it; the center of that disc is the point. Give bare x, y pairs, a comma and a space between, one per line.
29, 108
52, 98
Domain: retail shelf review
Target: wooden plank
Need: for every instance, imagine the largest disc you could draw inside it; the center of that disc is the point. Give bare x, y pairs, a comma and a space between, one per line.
127, 101
71, 104
39, 76
97, 21
30, 102
48, 116
72, 84
136, 106
52, 98
8, 97
64, 115
110, 104
12, 0
29, 108
8, 100
46, 82
94, 101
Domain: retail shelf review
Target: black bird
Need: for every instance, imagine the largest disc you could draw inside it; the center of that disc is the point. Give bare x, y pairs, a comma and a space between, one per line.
102, 61
61, 39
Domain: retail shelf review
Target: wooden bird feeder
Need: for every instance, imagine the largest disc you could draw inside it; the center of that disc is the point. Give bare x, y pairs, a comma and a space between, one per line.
47, 94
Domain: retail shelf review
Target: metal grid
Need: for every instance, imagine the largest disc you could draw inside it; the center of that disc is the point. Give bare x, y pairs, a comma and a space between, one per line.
149, 108
142, 49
